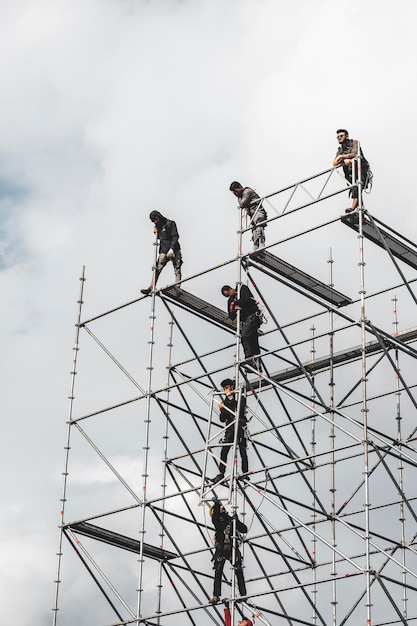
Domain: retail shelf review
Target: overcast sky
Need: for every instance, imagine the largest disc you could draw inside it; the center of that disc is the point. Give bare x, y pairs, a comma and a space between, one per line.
112, 108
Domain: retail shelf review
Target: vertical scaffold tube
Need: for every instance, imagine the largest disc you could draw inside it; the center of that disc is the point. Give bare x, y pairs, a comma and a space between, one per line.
362, 293
239, 286
233, 477
332, 448
151, 342
313, 478
164, 468
234, 504
400, 465
67, 446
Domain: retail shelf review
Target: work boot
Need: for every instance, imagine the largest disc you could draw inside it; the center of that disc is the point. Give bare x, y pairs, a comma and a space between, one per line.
214, 600
253, 362
146, 291
218, 478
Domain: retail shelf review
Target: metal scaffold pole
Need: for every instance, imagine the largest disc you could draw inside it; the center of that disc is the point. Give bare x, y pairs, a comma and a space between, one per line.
164, 467
147, 424
332, 436
67, 448
364, 380
239, 288
314, 542
400, 467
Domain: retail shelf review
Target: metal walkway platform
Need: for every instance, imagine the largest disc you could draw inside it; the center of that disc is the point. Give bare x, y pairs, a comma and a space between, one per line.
345, 356
398, 248
120, 541
199, 307
265, 259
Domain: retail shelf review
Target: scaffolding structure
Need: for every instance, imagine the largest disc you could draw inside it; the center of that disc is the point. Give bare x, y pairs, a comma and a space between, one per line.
330, 503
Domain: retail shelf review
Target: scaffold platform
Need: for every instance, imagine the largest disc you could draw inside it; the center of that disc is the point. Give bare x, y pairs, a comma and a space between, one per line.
260, 260
120, 541
198, 306
264, 259
338, 358
398, 248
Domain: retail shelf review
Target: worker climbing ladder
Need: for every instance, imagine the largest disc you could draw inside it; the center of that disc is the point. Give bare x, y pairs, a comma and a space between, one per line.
216, 471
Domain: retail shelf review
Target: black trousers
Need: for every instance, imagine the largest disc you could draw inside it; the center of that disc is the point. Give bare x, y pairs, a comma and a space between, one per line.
348, 172
219, 561
249, 335
241, 442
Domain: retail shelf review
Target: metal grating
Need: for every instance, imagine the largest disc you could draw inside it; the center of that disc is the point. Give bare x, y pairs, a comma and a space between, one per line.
120, 541
342, 357
264, 258
199, 307
397, 248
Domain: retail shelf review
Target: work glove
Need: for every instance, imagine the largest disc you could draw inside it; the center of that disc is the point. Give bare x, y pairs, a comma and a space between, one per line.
170, 253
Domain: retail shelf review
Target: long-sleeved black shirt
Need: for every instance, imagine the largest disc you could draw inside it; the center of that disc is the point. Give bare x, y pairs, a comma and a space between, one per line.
246, 302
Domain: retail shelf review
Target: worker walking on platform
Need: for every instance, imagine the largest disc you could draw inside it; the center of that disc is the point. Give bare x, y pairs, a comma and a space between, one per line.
247, 200
345, 156
228, 412
169, 247
226, 541
250, 318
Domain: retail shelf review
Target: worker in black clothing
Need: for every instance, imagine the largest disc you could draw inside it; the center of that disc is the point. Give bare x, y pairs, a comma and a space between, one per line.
228, 411
346, 156
226, 536
250, 317
169, 247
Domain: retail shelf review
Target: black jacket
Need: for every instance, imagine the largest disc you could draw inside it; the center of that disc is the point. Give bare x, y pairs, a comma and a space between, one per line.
167, 234
246, 302
227, 414
223, 520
